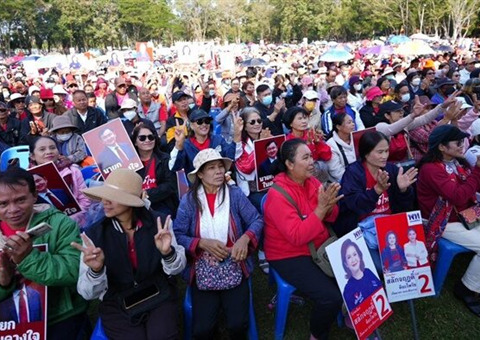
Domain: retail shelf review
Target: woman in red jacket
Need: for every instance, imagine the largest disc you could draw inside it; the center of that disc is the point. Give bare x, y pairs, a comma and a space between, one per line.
287, 234
296, 119
445, 176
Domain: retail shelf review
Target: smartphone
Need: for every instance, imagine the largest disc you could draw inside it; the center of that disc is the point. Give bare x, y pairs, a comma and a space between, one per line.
140, 296
39, 230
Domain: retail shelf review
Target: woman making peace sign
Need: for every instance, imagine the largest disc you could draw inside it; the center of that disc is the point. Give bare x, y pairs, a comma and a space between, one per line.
126, 262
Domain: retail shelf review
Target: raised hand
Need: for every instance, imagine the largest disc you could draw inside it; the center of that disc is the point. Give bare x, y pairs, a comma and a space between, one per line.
453, 111
451, 99
93, 256
18, 246
265, 133
327, 199
404, 180
163, 238
418, 108
382, 181
180, 134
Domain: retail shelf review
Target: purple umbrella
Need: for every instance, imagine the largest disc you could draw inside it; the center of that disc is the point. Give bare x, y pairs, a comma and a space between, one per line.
379, 50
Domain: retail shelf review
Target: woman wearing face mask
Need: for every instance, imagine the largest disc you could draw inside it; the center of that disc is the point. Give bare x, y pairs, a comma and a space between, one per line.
70, 144
310, 105
413, 82
355, 94
130, 117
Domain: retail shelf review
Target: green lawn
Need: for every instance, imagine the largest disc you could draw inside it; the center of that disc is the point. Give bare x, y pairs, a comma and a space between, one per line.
438, 318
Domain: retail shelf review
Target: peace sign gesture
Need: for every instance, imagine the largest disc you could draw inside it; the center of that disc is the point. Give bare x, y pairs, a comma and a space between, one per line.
180, 134
237, 128
163, 239
418, 108
205, 88
93, 256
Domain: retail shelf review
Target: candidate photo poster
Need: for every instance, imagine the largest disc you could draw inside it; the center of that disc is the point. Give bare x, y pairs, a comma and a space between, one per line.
401, 243
182, 183
23, 314
53, 189
112, 148
266, 152
359, 283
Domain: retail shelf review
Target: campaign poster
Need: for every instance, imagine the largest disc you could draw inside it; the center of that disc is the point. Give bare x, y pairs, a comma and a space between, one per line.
53, 189
187, 52
23, 315
144, 52
356, 135
112, 148
359, 283
266, 152
401, 242
115, 58
182, 183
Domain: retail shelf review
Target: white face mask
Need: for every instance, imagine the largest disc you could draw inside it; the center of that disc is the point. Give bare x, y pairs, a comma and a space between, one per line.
64, 137
357, 87
416, 82
405, 98
130, 114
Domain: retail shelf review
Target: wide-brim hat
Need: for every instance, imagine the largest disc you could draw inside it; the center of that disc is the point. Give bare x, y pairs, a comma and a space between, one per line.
60, 122
123, 186
205, 156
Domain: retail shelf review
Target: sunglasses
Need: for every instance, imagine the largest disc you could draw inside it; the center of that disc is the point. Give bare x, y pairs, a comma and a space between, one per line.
72, 85
121, 86
202, 121
3, 110
253, 121
143, 138
430, 73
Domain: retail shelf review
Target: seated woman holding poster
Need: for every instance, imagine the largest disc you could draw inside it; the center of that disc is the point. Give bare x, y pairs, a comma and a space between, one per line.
362, 282
287, 234
201, 138
415, 250
220, 229
44, 150
447, 187
296, 119
158, 181
393, 257
245, 162
127, 260
372, 187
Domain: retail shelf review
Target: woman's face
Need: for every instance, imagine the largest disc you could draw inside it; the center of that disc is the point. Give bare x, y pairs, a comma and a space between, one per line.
379, 155
394, 116
385, 85
35, 109
340, 101
114, 209
412, 235
453, 149
352, 259
300, 122
377, 100
45, 151
212, 174
392, 239
348, 126
148, 142
302, 167
255, 128
201, 128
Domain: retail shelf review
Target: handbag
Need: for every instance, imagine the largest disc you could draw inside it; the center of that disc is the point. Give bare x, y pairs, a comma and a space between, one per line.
319, 255
212, 274
470, 217
143, 297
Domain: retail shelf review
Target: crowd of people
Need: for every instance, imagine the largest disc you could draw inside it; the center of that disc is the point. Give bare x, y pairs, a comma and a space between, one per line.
419, 150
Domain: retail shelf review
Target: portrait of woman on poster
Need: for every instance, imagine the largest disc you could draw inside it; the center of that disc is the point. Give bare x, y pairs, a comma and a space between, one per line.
393, 257
362, 282
415, 250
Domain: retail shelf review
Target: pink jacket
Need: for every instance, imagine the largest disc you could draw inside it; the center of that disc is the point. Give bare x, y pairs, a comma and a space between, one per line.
76, 186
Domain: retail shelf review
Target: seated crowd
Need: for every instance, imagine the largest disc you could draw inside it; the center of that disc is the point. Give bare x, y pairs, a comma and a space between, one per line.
419, 150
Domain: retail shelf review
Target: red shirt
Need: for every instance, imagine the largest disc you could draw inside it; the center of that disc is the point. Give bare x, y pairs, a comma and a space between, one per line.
383, 203
132, 252
211, 202
200, 146
150, 180
7, 230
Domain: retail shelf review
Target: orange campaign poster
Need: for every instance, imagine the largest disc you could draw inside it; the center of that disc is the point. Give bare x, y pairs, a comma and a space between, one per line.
112, 148
401, 242
266, 151
359, 283
23, 314
144, 53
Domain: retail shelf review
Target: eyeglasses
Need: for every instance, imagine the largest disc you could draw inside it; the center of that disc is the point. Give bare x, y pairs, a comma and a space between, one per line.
72, 85
202, 121
430, 73
253, 121
143, 138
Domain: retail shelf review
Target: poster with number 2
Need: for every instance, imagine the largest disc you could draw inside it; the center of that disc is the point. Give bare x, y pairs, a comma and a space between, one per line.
359, 283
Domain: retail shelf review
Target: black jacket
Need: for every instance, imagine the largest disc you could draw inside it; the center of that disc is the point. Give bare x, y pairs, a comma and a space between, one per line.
111, 103
369, 117
95, 118
276, 127
11, 135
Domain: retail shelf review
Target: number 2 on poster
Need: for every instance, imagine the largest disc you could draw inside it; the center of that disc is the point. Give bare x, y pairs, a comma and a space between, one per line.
424, 284
381, 304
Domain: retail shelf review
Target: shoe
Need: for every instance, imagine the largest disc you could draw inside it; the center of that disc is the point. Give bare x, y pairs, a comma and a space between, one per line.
471, 299
264, 266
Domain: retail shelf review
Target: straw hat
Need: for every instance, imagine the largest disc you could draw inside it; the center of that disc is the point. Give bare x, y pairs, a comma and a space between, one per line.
206, 156
122, 185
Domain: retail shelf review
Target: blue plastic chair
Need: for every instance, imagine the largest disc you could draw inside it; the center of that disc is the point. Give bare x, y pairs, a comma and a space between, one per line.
447, 250
284, 292
89, 171
187, 312
21, 152
98, 332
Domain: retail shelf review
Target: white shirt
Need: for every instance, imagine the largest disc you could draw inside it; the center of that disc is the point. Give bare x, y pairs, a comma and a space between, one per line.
464, 76
414, 252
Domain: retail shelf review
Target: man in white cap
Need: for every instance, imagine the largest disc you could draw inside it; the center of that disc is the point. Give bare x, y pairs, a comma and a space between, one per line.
130, 118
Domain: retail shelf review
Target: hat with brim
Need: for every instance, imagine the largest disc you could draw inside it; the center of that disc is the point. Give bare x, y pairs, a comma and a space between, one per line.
123, 186
16, 96
443, 134
444, 81
61, 122
373, 92
464, 103
389, 107
205, 156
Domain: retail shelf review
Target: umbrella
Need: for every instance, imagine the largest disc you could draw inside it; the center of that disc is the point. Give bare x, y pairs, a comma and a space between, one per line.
53, 60
414, 48
254, 62
420, 36
31, 58
398, 39
444, 48
336, 54
378, 50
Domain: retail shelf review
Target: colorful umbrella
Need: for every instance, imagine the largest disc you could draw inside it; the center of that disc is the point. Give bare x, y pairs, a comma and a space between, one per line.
336, 54
378, 50
398, 39
417, 47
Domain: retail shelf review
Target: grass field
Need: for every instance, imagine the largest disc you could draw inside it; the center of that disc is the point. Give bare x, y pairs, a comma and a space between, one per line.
438, 318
